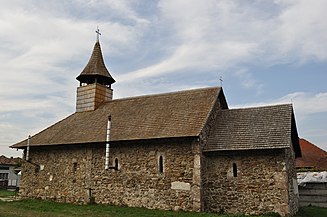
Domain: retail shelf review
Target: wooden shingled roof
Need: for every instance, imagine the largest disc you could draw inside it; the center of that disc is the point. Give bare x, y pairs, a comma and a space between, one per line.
267, 127
178, 114
96, 66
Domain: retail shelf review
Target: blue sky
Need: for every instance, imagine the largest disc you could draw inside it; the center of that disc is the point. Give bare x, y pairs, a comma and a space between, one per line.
268, 52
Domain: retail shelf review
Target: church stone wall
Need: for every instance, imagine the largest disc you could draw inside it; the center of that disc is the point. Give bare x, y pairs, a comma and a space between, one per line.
246, 182
76, 174
138, 181
56, 173
293, 191
264, 180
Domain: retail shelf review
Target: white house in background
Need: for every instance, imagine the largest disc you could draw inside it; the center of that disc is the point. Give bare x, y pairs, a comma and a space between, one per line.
8, 172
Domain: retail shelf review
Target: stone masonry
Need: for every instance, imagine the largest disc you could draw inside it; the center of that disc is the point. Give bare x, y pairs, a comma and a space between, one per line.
260, 185
76, 174
293, 191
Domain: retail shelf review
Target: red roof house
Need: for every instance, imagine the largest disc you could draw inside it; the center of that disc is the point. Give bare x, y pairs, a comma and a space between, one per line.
9, 161
313, 157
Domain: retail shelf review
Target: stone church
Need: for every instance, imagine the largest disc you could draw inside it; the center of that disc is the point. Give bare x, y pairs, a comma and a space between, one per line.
182, 150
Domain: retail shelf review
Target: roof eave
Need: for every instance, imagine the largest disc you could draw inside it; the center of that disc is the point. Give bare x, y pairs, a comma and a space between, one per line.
191, 137
220, 93
243, 149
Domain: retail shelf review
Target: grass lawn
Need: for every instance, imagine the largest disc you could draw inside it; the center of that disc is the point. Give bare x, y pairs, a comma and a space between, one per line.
37, 208
5, 193
312, 211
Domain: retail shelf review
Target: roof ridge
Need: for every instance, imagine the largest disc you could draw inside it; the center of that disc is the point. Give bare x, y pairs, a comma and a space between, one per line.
263, 106
163, 94
212, 108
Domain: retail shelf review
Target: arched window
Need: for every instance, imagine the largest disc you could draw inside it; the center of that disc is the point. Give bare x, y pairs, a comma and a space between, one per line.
160, 164
74, 167
234, 170
116, 164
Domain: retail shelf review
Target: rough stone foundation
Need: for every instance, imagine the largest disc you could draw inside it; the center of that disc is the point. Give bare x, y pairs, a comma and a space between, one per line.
76, 174
258, 185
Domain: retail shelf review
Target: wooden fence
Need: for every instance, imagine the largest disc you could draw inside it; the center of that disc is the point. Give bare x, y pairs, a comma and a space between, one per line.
313, 194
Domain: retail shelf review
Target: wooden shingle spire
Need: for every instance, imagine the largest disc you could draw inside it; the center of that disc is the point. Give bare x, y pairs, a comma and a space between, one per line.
96, 71
95, 82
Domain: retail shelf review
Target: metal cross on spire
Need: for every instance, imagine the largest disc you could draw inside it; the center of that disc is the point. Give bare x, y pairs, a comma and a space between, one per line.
98, 33
221, 81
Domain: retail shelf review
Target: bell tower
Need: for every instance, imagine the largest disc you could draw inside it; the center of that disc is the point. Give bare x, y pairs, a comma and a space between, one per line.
95, 82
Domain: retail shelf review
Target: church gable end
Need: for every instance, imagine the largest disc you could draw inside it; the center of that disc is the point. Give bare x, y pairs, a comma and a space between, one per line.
249, 153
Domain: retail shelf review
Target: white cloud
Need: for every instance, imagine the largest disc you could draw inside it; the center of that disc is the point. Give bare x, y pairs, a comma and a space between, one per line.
226, 35
203, 37
45, 44
38, 43
223, 37
300, 30
39, 47
304, 104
